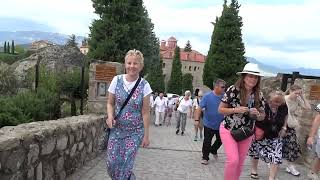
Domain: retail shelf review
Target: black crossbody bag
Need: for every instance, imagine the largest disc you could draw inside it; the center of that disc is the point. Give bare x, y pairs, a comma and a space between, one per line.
107, 131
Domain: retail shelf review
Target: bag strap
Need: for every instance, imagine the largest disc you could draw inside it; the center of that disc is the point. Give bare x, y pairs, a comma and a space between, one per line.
128, 97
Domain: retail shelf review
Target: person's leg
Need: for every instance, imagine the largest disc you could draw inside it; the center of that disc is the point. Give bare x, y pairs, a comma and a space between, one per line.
273, 171
217, 143
196, 127
183, 122
254, 168
161, 120
206, 146
157, 122
178, 122
243, 148
201, 128
315, 168
232, 156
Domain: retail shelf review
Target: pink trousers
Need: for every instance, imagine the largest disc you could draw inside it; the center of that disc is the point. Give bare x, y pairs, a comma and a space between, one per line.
236, 153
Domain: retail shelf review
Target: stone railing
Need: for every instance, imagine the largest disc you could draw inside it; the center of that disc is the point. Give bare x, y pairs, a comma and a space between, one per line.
49, 149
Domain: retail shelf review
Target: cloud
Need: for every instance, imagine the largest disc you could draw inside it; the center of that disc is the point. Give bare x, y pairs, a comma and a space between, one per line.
274, 32
67, 16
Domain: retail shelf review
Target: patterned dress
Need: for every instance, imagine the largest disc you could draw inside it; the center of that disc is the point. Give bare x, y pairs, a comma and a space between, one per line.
126, 137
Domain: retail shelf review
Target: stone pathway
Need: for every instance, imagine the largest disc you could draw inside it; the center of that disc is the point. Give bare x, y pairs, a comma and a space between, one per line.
176, 157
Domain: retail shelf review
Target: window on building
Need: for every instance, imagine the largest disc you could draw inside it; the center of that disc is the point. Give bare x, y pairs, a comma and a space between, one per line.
198, 68
163, 65
195, 68
185, 67
189, 68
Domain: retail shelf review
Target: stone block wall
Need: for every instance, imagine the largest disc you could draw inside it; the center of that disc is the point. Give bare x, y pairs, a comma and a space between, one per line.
49, 150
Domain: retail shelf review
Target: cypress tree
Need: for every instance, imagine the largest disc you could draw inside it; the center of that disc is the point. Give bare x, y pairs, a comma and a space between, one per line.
5, 47
12, 47
187, 82
123, 25
227, 50
156, 79
8, 48
175, 82
188, 47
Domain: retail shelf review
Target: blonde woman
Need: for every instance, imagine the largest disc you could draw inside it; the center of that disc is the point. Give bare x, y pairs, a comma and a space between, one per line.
291, 148
131, 128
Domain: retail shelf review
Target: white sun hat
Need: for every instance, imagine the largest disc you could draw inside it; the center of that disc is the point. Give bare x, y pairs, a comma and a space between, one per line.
317, 108
251, 68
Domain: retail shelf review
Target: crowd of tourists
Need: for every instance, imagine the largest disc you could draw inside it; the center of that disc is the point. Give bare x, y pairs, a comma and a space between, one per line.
239, 117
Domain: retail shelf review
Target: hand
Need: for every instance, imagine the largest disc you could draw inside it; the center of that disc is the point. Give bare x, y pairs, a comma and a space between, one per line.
145, 142
241, 109
310, 141
110, 121
282, 133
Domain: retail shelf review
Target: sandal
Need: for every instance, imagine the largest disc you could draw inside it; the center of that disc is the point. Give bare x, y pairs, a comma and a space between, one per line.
254, 176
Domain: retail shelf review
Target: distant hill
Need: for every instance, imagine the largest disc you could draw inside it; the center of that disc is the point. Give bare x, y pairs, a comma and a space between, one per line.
273, 70
27, 37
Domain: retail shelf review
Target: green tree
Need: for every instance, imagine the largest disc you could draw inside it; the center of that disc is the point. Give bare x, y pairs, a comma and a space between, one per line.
188, 47
72, 41
156, 79
187, 82
12, 47
123, 25
226, 53
175, 82
8, 48
5, 47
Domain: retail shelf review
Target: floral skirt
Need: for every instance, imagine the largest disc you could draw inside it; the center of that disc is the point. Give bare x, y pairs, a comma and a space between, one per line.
268, 150
291, 148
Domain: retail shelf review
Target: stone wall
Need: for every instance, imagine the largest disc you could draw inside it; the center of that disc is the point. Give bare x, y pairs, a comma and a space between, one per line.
98, 86
49, 150
305, 116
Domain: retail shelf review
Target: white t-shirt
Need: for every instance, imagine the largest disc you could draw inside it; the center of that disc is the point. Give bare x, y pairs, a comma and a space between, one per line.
151, 101
195, 103
160, 104
128, 85
171, 102
184, 105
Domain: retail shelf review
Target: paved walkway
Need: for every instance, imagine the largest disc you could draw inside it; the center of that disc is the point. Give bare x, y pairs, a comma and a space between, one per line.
175, 157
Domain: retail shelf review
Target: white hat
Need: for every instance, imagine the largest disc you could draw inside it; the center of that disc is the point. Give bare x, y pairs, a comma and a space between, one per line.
317, 108
251, 68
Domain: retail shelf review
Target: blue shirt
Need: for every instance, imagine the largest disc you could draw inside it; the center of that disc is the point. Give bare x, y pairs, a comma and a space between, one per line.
211, 117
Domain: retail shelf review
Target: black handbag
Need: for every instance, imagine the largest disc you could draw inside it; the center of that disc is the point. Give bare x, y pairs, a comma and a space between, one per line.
107, 130
247, 131
242, 133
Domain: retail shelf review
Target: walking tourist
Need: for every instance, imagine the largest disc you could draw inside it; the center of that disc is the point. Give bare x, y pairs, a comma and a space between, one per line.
129, 127
268, 147
291, 148
184, 106
160, 107
198, 121
314, 143
241, 104
211, 120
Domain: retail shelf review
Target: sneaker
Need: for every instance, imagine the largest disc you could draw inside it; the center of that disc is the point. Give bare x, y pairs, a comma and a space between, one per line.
204, 162
313, 176
292, 170
182, 133
196, 138
177, 132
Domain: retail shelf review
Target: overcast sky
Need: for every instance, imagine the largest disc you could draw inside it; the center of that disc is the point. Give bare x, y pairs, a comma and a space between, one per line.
276, 32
